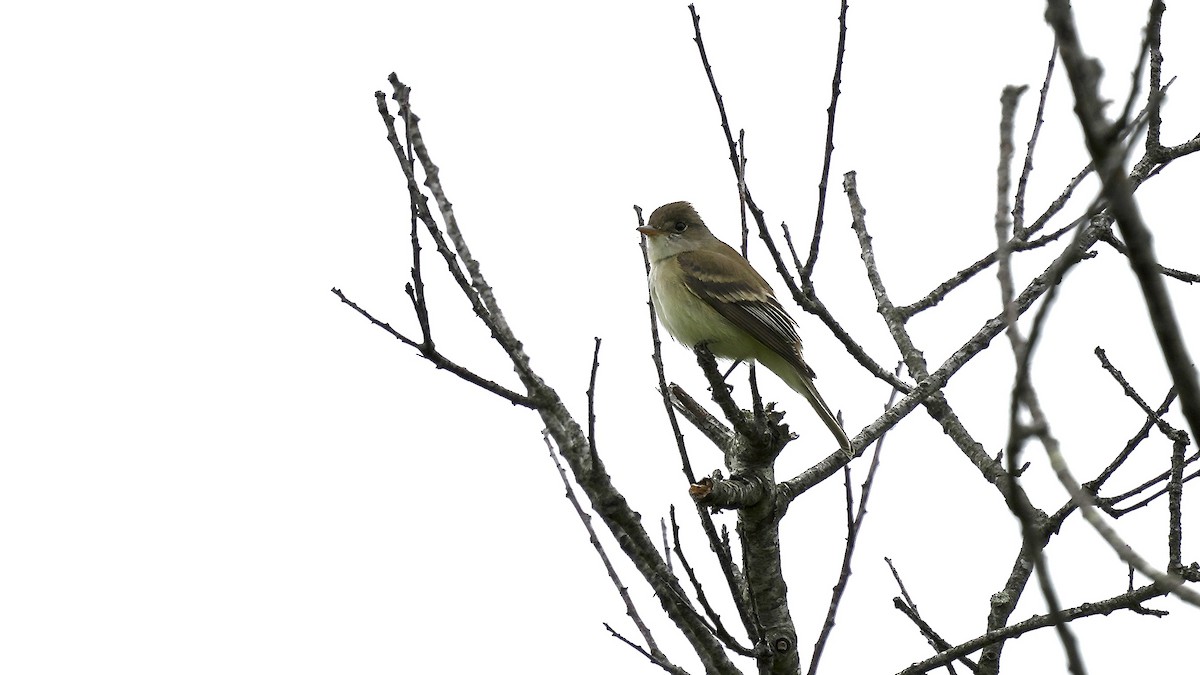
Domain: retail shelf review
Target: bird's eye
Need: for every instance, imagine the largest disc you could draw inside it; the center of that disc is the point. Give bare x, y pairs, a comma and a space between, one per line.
679, 227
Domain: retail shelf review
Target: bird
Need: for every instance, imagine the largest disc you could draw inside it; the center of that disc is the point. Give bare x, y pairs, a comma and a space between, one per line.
705, 292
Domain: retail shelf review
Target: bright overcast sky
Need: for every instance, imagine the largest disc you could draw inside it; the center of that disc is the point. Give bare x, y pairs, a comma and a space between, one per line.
209, 464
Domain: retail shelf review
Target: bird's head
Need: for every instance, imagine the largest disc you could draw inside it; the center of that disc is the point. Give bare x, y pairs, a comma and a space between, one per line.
674, 228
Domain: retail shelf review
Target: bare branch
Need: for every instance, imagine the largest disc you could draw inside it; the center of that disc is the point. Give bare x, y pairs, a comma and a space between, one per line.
480, 293
586, 519
931, 636
1086, 502
854, 520
1008, 110
909, 609
1119, 246
720, 435
806, 299
1127, 600
1175, 509
927, 392
1018, 210
1094, 485
895, 324
823, 187
718, 627
436, 358
741, 186
572, 442
1108, 505
1167, 430
1152, 47
591, 405
1084, 74
662, 524
674, 670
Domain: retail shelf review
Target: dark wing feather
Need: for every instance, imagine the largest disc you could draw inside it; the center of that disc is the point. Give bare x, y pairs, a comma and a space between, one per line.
728, 283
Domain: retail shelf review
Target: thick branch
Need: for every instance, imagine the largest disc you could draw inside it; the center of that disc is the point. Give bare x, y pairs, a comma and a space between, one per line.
1084, 74
589, 473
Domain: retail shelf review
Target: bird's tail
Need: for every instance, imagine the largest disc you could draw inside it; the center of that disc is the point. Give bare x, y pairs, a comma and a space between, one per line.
803, 383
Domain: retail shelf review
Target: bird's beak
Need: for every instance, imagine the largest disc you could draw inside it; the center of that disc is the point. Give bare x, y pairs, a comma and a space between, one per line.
649, 231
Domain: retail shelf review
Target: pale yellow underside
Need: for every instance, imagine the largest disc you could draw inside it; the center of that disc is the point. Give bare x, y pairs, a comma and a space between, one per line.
692, 321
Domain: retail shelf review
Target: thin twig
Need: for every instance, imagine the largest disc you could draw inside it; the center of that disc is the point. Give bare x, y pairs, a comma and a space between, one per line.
1128, 600
622, 590
1086, 501
1018, 211
662, 524
1008, 110
934, 639
1175, 509
673, 669
741, 185
591, 406
823, 186
1120, 247
718, 627
1150, 39
1130, 445
1163, 426
438, 359
854, 521
1108, 506
806, 299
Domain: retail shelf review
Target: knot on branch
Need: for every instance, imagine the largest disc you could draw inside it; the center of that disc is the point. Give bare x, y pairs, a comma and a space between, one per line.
782, 644
1102, 221
736, 492
1191, 572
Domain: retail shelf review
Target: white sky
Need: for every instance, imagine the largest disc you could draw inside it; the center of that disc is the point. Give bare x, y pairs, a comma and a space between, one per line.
210, 464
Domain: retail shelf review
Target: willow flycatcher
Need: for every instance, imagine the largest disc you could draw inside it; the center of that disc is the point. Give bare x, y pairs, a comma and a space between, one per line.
704, 292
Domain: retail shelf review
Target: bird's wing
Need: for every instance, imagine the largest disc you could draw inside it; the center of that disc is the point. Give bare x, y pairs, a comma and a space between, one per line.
725, 281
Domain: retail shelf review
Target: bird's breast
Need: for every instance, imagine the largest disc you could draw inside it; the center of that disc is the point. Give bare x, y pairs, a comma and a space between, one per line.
692, 321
